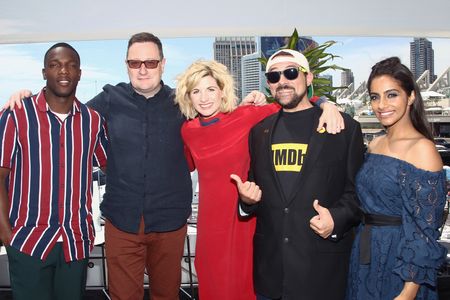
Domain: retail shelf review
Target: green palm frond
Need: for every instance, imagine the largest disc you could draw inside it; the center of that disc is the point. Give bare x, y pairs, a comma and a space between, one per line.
319, 61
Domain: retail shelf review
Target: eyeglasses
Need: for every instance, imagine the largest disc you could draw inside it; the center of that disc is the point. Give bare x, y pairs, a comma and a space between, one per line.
136, 64
290, 74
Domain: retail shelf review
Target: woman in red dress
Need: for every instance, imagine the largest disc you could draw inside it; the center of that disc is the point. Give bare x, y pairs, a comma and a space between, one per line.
216, 135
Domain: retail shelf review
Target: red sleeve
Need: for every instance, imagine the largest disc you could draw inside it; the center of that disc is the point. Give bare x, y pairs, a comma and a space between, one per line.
255, 113
101, 148
189, 159
313, 99
187, 151
8, 138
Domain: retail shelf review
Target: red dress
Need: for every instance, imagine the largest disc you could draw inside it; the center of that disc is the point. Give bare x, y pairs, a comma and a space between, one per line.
224, 246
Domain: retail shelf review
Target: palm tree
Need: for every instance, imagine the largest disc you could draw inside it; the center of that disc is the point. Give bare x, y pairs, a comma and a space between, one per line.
318, 63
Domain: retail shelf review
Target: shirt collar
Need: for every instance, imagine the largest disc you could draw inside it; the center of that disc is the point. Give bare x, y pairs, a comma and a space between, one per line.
211, 120
43, 106
160, 92
208, 122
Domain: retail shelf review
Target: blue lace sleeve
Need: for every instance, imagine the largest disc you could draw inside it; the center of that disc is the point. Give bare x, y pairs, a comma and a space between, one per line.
419, 254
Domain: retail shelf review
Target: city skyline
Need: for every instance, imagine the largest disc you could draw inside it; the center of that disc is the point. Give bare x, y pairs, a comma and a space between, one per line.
102, 62
229, 51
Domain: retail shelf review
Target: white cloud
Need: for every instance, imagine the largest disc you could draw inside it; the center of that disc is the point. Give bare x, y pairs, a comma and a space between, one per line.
18, 64
21, 64
360, 57
21, 68
441, 55
182, 52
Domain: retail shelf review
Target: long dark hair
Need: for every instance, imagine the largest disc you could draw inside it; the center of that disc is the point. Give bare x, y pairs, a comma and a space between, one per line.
392, 67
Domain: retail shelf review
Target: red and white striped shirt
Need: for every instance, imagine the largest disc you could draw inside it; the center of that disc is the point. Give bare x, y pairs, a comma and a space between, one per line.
50, 184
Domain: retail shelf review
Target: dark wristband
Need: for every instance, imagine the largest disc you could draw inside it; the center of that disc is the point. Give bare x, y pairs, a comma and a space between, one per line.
319, 101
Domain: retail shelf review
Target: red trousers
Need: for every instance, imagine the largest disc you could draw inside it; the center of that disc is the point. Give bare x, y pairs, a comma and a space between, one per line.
128, 255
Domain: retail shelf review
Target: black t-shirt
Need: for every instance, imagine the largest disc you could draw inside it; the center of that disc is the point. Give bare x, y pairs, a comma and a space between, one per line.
290, 145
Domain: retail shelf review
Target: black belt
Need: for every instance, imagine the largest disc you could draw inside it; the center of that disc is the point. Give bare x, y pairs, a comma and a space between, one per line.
370, 220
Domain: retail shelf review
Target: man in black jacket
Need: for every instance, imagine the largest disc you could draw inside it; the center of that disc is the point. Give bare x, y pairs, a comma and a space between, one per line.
301, 188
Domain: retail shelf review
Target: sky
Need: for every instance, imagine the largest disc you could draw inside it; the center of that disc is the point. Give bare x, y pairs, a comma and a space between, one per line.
102, 62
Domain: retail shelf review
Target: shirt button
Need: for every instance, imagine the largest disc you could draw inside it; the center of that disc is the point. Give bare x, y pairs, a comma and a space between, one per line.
286, 240
286, 210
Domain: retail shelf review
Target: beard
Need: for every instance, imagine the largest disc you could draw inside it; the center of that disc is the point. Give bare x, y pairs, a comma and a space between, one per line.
295, 99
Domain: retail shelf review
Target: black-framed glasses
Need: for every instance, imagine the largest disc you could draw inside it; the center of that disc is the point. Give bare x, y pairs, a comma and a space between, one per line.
289, 73
136, 64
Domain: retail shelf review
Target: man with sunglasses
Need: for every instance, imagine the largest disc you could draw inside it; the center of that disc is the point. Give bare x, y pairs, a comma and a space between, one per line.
148, 189
148, 185
301, 188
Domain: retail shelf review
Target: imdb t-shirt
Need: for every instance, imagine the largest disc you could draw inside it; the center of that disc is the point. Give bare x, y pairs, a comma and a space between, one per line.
290, 145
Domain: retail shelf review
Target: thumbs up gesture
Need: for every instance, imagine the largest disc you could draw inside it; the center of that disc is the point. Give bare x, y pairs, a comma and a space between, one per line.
249, 192
322, 223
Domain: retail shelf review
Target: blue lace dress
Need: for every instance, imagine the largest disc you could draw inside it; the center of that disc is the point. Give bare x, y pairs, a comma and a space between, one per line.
389, 186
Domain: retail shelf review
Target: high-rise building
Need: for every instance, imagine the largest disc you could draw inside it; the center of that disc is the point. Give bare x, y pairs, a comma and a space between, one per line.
347, 78
229, 51
253, 72
422, 58
252, 77
268, 45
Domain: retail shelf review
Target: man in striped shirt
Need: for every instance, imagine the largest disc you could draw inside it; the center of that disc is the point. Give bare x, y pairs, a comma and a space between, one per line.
47, 153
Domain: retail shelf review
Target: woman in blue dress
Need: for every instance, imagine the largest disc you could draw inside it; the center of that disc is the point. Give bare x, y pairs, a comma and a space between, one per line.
402, 191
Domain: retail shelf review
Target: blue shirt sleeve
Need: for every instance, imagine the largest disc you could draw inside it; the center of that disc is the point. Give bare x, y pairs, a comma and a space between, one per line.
419, 254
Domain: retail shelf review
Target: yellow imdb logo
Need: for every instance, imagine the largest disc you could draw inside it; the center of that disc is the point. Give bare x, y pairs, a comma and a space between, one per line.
288, 157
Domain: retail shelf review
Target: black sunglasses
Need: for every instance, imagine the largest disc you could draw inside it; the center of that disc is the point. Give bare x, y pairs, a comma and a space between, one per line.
136, 64
290, 74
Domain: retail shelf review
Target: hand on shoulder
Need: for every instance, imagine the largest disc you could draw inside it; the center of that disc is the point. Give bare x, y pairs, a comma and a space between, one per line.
16, 99
254, 98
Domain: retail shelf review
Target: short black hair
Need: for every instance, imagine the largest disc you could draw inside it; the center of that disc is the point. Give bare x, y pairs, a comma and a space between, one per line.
146, 37
64, 45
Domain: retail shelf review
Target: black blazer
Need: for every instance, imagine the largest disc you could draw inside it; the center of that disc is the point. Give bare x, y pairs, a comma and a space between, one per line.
290, 260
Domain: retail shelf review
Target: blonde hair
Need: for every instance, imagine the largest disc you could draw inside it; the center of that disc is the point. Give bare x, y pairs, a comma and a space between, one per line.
192, 76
